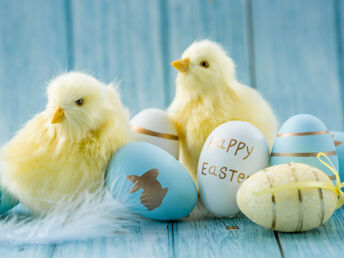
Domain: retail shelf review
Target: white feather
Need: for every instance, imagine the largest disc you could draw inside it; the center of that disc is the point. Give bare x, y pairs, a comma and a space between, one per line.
91, 215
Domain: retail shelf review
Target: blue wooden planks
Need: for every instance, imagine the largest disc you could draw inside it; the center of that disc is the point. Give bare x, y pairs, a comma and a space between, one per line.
120, 40
292, 51
147, 240
32, 51
325, 241
339, 23
25, 251
296, 58
215, 238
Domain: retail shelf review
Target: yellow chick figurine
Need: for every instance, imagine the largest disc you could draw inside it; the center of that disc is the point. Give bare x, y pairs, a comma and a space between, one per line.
65, 149
208, 95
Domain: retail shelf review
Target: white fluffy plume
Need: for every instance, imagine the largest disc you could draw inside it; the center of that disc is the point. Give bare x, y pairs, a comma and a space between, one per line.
90, 215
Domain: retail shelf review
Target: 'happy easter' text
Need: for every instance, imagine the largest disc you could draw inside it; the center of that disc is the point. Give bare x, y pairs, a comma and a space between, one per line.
223, 172
234, 144
238, 149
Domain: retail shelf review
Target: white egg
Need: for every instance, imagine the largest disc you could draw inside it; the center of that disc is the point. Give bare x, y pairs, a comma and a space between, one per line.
156, 127
232, 152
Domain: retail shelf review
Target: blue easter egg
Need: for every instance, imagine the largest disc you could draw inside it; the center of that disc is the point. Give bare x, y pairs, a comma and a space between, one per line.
338, 138
7, 201
151, 182
300, 139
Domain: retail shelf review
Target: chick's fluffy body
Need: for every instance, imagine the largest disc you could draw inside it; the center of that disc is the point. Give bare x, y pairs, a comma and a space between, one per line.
208, 97
45, 162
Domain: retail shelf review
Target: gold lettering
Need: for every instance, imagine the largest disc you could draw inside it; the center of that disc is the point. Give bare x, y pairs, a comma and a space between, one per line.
240, 176
203, 168
212, 170
233, 172
248, 152
222, 145
223, 173
211, 143
240, 147
231, 144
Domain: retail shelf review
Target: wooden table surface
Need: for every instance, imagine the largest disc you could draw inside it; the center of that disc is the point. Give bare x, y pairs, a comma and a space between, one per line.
204, 238
292, 51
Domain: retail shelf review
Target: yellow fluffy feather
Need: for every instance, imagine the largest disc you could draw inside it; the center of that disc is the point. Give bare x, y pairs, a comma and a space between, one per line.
65, 149
208, 95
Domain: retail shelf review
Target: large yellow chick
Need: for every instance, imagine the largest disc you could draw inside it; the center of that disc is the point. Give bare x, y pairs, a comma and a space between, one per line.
208, 95
65, 149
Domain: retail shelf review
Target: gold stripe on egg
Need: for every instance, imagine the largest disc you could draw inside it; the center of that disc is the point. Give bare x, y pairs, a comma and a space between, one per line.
304, 154
273, 200
321, 197
301, 215
153, 133
302, 134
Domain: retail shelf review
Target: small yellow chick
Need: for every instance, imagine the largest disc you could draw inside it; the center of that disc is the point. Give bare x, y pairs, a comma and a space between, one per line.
65, 149
208, 95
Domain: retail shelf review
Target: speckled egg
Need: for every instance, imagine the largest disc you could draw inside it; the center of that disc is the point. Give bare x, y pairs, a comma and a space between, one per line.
151, 182
338, 139
156, 127
288, 210
232, 152
300, 139
7, 201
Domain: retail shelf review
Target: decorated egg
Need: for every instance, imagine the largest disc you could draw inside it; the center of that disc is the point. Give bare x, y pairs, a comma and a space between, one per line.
232, 152
338, 139
300, 139
155, 126
151, 182
275, 198
7, 201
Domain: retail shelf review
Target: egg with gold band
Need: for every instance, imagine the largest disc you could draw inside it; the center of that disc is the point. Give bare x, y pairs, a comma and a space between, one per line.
154, 126
300, 139
338, 139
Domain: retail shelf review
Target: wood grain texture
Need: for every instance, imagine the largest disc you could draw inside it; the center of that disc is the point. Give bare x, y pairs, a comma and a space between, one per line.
296, 58
222, 21
213, 238
339, 20
324, 241
147, 240
295, 52
27, 251
32, 51
120, 40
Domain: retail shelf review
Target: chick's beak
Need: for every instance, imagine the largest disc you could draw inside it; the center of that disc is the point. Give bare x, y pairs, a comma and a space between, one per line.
181, 65
58, 116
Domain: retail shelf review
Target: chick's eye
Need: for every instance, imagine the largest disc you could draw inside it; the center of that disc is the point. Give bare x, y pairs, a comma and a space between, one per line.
204, 64
79, 102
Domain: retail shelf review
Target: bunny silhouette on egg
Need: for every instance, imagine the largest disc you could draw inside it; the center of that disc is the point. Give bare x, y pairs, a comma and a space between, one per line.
153, 193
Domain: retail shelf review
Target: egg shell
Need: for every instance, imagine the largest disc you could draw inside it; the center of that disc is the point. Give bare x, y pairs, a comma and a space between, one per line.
288, 210
231, 153
299, 140
338, 138
151, 182
7, 201
156, 127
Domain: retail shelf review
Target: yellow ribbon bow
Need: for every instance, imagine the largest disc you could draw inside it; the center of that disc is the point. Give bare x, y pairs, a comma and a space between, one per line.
312, 184
335, 189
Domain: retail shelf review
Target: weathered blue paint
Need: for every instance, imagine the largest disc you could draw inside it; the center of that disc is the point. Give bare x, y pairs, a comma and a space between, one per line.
290, 50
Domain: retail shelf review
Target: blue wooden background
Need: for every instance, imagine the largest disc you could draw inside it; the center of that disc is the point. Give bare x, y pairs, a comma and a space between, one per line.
292, 51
